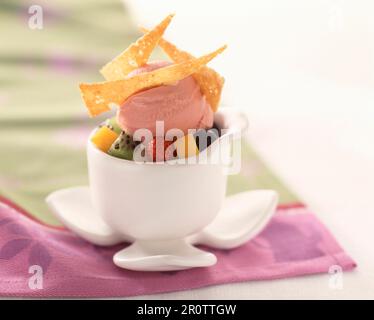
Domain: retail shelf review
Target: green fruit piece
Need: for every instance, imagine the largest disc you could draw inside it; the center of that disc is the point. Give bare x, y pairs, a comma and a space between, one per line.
123, 147
113, 125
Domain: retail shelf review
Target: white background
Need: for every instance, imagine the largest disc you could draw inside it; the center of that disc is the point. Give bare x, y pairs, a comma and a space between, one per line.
304, 72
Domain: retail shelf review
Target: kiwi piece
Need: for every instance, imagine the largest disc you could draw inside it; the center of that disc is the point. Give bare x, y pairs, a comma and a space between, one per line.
123, 147
112, 125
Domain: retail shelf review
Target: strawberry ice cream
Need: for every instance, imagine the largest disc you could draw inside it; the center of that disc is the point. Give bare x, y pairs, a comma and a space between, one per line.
180, 106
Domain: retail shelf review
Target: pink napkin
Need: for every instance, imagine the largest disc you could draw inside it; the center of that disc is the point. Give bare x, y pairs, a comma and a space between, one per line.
40, 261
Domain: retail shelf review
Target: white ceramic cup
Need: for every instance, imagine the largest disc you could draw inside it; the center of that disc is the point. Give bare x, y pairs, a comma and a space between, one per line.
158, 202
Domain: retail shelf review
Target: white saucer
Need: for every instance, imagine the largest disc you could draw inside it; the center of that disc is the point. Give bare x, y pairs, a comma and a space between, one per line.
241, 218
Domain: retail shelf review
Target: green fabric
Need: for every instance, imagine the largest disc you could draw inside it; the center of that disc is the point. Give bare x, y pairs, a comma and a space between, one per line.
43, 122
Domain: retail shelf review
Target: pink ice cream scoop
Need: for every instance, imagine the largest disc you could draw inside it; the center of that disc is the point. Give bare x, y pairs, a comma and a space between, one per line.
180, 106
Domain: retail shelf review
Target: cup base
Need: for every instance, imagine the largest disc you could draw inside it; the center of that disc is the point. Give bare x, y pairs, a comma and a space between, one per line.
163, 256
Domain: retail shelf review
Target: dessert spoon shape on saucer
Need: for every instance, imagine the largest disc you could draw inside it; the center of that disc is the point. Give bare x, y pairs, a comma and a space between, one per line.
241, 218
73, 207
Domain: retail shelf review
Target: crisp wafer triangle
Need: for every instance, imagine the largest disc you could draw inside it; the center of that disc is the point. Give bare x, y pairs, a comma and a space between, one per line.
99, 97
136, 55
210, 82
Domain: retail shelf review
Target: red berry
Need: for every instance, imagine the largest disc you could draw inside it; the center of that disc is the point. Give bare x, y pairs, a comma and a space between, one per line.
156, 149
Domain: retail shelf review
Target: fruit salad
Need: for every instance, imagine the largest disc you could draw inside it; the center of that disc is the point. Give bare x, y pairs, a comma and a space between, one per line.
165, 109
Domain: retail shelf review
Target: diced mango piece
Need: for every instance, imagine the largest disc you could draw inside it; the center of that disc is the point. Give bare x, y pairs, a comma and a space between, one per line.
186, 146
104, 138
